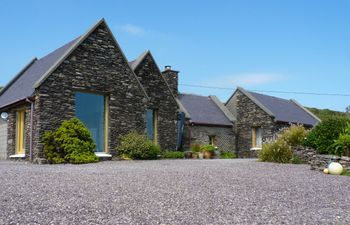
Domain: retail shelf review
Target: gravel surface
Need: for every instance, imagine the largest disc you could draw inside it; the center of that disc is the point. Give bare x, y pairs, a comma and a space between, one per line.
171, 192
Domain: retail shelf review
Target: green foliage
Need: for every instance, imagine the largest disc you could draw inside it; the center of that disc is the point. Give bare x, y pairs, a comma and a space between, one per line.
295, 159
173, 155
325, 133
325, 114
228, 155
342, 144
207, 148
70, 143
346, 173
278, 151
196, 147
136, 146
294, 135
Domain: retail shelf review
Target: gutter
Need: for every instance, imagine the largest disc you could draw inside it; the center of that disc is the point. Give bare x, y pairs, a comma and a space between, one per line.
31, 129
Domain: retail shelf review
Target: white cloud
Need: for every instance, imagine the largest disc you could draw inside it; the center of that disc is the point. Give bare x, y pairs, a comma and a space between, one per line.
133, 29
255, 79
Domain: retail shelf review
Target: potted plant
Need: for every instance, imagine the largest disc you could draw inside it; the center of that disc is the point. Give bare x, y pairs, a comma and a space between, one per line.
196, 152
208, 151
188, 154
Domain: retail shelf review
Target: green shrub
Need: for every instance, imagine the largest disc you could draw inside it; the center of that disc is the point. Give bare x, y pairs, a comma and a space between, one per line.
294, 135
278, 151
136, 146
173, 155
325, 133
196, 147
341, 146
207, 148
228, 155
70, 143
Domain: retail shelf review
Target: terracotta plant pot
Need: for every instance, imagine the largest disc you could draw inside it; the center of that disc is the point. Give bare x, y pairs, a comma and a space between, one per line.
188, 154
200, 155
208, 155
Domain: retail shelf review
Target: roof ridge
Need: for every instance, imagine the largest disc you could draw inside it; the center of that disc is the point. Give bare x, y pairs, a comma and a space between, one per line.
305, 109
256, 101
269, 96
222, 107
136, 62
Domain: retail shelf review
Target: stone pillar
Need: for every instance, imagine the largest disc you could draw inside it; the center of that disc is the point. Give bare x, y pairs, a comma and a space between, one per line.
172, 78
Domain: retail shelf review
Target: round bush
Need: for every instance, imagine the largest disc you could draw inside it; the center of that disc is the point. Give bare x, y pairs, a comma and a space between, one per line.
136, 146
325, 133
70, 143
294, 135
278, 151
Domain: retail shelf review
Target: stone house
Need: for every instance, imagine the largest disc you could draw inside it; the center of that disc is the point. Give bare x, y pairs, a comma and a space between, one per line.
207, 122
89, 78
259, 117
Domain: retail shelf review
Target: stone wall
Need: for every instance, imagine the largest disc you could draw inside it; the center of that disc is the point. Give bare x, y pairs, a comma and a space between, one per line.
319, 162
225, 138
161, 99
96, 66
249, 115
305, 154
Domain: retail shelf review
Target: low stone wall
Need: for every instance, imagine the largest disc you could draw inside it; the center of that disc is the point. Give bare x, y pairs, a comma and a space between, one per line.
305, 154
319, 162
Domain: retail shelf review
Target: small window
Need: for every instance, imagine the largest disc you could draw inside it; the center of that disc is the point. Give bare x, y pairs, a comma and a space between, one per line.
256, 137
152, 124
212, 140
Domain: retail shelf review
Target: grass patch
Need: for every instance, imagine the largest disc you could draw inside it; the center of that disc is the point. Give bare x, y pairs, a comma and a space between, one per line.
228, 155
173, 155
346, 173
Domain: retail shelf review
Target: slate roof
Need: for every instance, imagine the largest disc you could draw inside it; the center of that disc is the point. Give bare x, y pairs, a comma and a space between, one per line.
286, 110
22, 86
203, 110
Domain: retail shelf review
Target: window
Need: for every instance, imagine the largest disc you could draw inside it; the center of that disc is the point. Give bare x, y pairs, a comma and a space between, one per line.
152, 124
212, 140
92, 110
256, 137
20, 132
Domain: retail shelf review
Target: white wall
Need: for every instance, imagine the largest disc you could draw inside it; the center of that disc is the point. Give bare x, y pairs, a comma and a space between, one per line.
3, 139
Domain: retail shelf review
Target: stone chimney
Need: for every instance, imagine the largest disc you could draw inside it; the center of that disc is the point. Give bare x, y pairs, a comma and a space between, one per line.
171, 76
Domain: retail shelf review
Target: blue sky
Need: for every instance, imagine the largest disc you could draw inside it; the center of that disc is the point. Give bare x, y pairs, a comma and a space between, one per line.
271, 45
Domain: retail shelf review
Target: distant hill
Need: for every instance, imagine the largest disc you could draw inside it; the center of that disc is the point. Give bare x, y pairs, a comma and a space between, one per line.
326, 113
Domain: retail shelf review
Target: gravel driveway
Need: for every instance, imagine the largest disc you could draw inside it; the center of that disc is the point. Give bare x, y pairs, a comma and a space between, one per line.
171, 192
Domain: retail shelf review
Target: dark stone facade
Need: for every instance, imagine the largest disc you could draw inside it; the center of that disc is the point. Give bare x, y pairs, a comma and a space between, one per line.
98, 66
249, 115
225, 137
172, 78
161, 99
